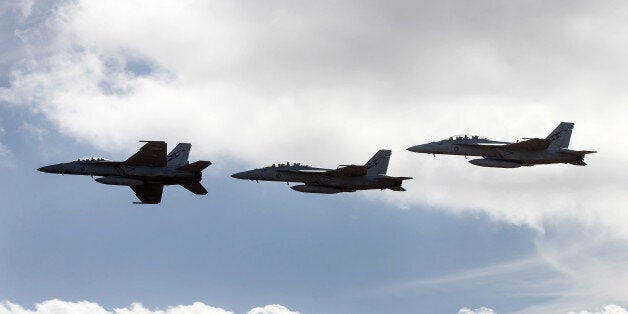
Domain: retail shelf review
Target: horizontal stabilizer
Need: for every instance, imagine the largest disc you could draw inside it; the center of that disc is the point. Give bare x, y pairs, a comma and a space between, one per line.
578, 163
577, 152
397, 188
197, 166
393, 178
194, 187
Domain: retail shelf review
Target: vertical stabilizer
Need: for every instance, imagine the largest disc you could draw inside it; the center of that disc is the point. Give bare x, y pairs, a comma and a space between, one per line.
378, 164
179, 155
561, 135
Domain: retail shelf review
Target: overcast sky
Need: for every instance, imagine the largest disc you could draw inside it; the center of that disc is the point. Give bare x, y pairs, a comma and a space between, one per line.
324, 83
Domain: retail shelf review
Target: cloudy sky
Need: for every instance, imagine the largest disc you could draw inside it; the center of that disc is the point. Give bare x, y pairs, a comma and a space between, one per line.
250, 83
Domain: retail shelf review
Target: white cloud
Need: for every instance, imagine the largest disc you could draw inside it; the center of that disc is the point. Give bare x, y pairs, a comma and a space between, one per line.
482, 310
54, 307
294, 82
301, 81
195, 308
84, 307
271, 309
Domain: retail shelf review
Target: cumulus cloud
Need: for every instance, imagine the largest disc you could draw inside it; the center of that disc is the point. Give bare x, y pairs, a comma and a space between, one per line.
271, 309
297, 80
83, 307
258, 83
482, 310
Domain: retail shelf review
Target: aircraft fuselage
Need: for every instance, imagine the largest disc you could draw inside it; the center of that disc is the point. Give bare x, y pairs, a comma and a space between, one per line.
343, 184
525, 158
163, 175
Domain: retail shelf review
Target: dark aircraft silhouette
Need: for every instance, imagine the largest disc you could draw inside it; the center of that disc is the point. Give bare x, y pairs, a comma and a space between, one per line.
145, 173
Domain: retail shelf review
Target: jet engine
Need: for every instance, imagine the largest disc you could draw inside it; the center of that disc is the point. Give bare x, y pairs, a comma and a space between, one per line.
495, 163
316, 189
119, 181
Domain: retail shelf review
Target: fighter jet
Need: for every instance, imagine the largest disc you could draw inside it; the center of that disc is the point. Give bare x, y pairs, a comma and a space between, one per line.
346, 178
532, 151
145, 173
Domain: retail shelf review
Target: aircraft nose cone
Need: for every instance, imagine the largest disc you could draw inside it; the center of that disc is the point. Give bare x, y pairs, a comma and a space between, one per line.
423, 148
47, 169
239, 175
415, 148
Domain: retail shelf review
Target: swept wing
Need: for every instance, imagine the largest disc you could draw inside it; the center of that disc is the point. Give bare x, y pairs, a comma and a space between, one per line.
149, 193
153, 153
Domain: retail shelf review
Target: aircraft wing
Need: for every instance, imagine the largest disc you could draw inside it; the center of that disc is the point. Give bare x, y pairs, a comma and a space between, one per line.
531, 144
153, 153
148, 193
348, 171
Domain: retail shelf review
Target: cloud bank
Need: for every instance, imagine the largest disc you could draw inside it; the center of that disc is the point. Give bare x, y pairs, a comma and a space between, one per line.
255, 83
262, 83
57, 306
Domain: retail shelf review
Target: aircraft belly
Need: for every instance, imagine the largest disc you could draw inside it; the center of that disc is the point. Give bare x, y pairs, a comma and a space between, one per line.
359, 184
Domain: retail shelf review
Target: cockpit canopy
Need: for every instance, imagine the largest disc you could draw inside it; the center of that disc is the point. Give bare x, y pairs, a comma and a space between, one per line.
91, 159
465, 137
288, 164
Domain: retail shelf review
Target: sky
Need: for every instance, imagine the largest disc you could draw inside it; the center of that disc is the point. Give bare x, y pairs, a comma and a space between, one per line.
323, 83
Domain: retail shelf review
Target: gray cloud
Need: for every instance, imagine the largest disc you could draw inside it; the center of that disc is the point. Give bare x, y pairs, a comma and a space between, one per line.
261, 82
295, 80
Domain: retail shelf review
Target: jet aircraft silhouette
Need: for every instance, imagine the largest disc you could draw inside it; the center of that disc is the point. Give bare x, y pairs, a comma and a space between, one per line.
532, 151
145, 173
346, 178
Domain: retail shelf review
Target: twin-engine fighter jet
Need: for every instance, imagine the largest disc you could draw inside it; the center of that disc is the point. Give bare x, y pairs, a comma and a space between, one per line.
346, 178
530, 152
146, 172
